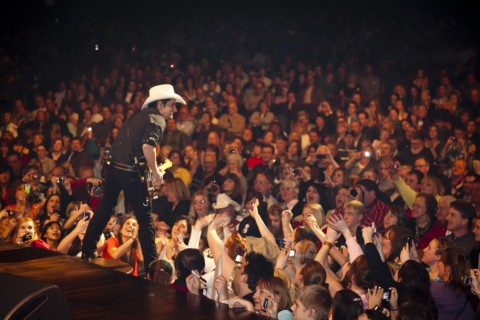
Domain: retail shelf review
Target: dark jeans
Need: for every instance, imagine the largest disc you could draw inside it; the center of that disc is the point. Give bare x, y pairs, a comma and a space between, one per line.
135, 193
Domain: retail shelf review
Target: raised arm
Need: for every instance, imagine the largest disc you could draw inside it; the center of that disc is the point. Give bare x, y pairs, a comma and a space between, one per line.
267, 234
217, 247
322, 255
354, 249
287, 216
66, 242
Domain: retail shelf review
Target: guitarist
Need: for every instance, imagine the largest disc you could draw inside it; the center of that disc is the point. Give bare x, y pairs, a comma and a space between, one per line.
132, 155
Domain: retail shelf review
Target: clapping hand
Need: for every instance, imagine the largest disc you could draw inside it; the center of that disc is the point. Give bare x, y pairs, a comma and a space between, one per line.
337, 222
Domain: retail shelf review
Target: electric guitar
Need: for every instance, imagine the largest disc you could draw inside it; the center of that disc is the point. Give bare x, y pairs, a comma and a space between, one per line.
147, 177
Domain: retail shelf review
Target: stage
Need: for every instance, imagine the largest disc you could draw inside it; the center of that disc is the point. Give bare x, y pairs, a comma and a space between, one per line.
97, 292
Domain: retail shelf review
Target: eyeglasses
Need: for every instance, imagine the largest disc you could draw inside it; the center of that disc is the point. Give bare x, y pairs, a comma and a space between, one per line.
286, 189
261, 182
199, 201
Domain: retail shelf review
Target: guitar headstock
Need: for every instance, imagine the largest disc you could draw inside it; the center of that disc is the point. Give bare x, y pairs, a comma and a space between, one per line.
166, 164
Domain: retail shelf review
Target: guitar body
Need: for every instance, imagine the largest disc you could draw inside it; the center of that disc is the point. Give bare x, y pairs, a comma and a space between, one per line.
147, 177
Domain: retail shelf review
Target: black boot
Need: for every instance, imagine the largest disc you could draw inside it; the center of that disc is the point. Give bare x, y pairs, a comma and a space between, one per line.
88, 257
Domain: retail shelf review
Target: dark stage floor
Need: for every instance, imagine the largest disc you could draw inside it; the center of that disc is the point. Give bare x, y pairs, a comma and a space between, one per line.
96, 292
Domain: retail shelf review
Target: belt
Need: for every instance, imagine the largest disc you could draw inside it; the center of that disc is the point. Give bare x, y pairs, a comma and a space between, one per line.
122, 166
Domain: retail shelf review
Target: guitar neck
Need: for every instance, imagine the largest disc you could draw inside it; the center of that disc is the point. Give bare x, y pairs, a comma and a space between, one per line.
166, 165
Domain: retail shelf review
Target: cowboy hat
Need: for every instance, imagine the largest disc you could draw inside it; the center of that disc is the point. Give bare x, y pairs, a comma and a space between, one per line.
161, 92
223, 201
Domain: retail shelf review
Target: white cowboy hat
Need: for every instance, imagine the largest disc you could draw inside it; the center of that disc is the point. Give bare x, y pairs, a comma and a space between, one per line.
161, 92
223, 201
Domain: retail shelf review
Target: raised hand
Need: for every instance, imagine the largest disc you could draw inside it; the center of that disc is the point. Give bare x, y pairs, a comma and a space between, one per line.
282, 259
193, 284
374, 296
220, 284
287, 216
310, 221
337, 222
332, 235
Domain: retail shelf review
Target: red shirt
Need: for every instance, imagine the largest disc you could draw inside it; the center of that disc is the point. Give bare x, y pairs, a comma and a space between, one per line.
114, 243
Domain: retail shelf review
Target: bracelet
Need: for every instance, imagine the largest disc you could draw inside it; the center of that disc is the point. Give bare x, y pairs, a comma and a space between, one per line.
393, 308
328, 244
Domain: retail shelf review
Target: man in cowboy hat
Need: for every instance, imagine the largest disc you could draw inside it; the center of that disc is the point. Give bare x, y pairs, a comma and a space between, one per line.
224, 205
134, 147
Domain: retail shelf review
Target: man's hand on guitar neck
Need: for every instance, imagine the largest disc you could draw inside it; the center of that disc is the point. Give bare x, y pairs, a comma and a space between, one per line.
158, 176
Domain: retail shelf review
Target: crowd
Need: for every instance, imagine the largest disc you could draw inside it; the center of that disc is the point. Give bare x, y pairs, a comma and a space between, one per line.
298, 188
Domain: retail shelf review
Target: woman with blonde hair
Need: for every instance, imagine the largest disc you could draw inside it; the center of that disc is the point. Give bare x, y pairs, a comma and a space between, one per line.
234, 163
200, 205
312, 209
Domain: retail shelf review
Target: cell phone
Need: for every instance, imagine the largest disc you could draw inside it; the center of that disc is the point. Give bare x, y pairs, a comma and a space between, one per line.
199, 277
410, 242
386, 295
292, 253
86, 215
265, 304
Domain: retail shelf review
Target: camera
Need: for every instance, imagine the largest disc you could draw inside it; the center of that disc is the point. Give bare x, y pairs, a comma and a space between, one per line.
97, 189
454, 139
354, 192
108, 234
467, 280
292, 253
280, 242
11, 213
295, 171
232, 151
60, 180
34, 196
26, 237
367, 154
276, 162
321, 156
214, 187
86, 215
